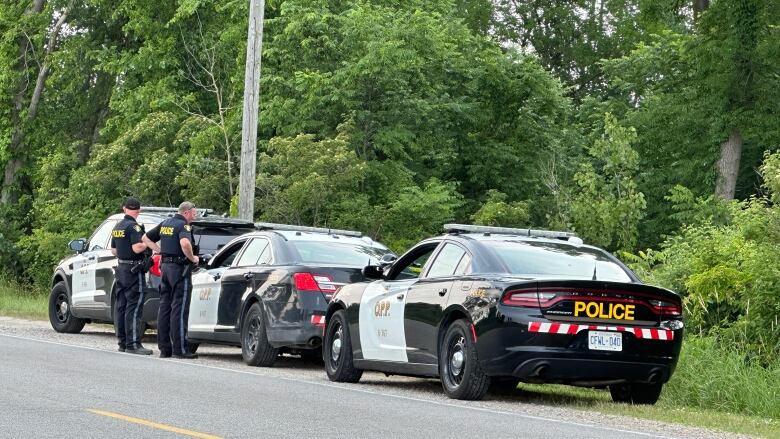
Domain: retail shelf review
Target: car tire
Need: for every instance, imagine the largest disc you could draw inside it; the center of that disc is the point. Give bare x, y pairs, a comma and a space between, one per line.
337, 350
636, 393
60, 316
254, 341
461, 373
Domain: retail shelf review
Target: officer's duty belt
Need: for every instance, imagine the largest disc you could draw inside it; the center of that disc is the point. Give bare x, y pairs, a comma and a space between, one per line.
181, 260
130, 261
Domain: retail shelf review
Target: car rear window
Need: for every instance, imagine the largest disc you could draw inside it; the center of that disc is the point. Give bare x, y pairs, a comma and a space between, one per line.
314, 252
545, 259
211, 239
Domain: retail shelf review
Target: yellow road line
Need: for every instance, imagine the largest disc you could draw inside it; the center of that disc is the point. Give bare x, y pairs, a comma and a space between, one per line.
154, 424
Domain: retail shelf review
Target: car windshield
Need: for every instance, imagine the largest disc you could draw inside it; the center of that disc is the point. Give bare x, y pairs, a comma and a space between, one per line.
356, 255
546, 259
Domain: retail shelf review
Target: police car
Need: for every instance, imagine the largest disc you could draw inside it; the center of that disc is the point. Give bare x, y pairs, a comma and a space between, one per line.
267, 291
482, 305
83, 284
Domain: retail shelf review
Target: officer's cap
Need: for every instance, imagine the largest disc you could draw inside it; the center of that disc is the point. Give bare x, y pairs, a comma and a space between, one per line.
132, 203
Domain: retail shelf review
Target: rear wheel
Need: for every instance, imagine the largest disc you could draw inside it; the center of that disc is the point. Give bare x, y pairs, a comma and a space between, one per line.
337, 351
461, 374
60, 315
254, 341
636, 393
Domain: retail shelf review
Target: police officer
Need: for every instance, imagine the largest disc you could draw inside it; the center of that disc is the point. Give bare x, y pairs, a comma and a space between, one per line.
178, 258
127, 246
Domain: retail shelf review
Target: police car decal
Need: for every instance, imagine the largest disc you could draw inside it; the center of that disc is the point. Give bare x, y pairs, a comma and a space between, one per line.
381, 321
204, 302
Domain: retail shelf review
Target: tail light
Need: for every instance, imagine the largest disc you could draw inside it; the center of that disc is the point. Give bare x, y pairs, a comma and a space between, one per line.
666, 308
319, 283
522, 298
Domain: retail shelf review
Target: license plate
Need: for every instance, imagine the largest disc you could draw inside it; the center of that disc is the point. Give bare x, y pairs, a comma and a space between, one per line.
605, 341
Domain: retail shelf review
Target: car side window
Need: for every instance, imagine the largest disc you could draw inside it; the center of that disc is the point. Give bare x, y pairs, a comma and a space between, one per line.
99, 239
464, 266
252, 252
226, 258
410, 266
446, 261
265, 257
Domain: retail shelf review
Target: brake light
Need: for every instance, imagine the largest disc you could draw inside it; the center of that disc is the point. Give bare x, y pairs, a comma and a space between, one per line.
523, 298
666, 308
314, 282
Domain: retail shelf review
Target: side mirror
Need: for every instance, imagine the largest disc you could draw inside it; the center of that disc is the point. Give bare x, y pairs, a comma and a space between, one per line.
205, 259
78, 245
373, 271
387, 259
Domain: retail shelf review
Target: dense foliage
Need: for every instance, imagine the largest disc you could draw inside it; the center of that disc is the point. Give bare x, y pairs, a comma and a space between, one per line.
634, 123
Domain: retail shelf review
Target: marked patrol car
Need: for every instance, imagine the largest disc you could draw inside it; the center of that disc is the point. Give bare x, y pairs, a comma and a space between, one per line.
267, 291
482, 305
83, 284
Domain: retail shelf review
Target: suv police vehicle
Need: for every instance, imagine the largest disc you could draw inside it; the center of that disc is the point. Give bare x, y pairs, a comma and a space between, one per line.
491, 304
83, 284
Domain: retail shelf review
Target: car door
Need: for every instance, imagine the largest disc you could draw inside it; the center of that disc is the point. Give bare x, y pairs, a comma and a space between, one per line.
381, 315
93, 274
426, 301
207, 290
237, 281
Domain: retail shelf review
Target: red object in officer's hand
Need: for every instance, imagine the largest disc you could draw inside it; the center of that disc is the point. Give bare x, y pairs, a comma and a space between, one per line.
155, 270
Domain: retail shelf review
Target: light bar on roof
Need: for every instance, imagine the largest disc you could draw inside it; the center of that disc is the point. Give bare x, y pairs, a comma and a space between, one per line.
292, 228
455, 228
173, 210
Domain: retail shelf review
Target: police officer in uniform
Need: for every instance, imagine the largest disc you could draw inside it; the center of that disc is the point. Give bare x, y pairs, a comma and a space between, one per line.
127, 246
178, 257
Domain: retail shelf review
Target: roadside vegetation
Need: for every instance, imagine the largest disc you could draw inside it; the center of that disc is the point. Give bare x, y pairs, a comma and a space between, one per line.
648, 127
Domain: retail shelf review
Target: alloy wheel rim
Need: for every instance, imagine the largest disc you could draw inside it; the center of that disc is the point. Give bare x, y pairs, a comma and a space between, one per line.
336, 345
61, 308
252, 335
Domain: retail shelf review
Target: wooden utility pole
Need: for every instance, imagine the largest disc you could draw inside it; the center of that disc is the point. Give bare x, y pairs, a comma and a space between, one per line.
254, 52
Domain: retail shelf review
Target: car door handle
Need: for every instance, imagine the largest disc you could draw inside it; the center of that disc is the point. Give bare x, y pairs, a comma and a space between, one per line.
400, 296
248, 276
217, 276
442, 292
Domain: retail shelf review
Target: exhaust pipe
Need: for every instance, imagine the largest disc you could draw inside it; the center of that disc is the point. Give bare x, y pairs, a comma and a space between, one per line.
540, 370
654, 378
314, 342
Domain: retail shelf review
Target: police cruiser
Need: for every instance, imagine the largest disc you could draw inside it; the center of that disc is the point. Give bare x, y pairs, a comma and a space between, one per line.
83, 284
267, 291
482, 305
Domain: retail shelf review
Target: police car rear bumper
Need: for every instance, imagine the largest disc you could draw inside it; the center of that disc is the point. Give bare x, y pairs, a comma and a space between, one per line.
304, 336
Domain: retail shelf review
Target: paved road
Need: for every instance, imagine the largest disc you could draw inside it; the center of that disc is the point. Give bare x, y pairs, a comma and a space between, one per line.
56, 385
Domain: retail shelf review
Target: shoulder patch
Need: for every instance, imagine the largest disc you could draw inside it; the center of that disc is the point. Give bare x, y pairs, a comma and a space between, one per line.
137, 228
188, 227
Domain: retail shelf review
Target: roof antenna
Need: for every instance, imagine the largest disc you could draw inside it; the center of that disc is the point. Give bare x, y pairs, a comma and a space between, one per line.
595, 264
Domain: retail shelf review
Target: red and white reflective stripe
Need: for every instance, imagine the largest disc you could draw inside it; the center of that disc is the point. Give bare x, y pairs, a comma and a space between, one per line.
318, 320
565, 328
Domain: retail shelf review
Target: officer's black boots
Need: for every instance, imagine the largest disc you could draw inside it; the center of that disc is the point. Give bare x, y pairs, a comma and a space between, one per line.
138, 350
186, 356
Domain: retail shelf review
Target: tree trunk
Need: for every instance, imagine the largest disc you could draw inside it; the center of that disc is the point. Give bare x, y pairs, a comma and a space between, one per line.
728, 166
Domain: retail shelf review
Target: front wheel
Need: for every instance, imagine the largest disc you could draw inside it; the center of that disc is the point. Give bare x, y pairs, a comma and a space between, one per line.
254, 341
636, 393
461, 374
337, 351
60, 315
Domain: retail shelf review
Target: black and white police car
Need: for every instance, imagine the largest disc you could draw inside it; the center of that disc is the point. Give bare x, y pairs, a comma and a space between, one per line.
267, 291
482, 304
82, 286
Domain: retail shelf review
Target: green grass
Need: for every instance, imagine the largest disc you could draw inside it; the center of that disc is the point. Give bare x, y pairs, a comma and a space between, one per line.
666, 410
19, 300
713, 387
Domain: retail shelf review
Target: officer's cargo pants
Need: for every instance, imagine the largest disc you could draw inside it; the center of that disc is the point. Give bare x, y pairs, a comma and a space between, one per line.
129, 306
174, 308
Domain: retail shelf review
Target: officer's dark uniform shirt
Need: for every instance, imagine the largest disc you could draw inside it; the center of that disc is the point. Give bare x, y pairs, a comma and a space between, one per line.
168, 233
126, 233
